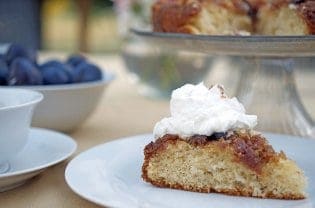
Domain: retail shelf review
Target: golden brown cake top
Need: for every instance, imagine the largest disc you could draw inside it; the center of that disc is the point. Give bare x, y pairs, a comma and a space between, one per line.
256, 4
170, 15
305, 8
307, 11
250, 149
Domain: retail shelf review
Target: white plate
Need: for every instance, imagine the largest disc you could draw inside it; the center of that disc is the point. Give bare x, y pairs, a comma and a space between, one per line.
44, 149
110, 175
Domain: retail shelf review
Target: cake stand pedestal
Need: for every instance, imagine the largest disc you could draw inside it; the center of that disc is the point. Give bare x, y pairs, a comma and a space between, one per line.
267, 88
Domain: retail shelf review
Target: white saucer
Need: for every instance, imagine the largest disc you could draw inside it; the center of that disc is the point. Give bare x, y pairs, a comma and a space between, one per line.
44, 149
110, 175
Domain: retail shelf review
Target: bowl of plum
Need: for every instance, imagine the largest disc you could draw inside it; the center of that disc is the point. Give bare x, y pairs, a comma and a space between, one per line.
72, 88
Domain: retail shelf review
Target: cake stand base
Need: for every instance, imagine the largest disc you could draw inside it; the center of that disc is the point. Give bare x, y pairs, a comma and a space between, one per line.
267, 88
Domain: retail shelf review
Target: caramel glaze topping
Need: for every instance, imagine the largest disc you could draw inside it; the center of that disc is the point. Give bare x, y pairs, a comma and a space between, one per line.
171, 15
307, 11
251, 150
305, 8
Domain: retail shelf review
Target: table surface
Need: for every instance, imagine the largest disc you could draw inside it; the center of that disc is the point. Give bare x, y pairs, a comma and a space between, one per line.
119, 114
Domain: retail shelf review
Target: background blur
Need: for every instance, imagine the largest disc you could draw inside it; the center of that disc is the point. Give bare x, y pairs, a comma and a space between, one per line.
64, 23
99, 28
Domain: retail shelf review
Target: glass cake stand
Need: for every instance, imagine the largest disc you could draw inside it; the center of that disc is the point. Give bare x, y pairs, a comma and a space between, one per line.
267, 86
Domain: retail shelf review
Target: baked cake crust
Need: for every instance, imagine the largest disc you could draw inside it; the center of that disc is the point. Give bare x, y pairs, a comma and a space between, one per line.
307, 11
234, 17
189, 16
172, 16
296, 17
251, 150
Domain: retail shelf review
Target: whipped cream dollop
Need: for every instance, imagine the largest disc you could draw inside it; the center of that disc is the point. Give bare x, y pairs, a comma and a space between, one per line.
198, 110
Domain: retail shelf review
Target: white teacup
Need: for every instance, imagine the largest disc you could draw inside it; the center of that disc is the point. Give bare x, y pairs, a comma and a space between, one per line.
16, 110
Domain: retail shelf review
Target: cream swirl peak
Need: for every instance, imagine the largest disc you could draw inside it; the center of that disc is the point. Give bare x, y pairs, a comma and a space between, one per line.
198, 110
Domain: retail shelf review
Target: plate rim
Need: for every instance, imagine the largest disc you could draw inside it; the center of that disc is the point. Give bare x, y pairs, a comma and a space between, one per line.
70, 164
44, 166
108, 77
95, 200
224, 38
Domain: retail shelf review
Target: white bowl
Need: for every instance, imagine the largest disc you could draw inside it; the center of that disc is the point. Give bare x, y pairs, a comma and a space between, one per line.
65, 107
16, 110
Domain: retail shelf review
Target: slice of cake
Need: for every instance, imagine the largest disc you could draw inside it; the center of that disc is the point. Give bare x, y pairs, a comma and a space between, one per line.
286, 17
208, 145
234, 17
210, 17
